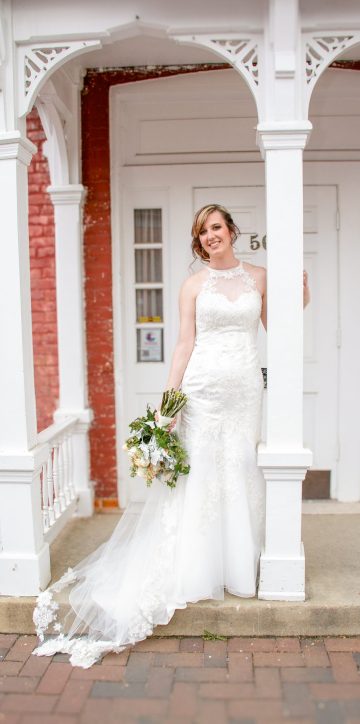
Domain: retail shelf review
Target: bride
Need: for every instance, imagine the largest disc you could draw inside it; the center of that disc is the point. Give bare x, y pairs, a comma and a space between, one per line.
205, 536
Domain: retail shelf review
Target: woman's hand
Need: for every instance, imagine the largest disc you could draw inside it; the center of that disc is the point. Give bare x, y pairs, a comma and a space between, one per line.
306, 290
172, 424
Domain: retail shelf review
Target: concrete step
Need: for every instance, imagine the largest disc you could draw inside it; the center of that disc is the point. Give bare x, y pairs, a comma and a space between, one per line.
332, 605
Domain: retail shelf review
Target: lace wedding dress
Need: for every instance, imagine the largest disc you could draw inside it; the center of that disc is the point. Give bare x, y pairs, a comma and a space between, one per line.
204, 536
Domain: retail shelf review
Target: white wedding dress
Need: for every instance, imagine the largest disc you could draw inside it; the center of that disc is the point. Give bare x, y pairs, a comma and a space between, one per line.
204, 536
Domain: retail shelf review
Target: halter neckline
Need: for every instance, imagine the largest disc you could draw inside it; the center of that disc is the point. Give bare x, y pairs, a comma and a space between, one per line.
229, 270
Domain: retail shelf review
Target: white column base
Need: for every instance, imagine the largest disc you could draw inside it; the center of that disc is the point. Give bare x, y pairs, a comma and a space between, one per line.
24, 554
282, 563
85, 502
282, 579
25, 575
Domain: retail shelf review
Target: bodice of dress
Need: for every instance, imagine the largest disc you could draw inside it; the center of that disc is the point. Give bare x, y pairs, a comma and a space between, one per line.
228, 301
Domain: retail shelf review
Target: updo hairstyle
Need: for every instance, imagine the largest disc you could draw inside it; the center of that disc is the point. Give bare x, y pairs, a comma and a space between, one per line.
198, 223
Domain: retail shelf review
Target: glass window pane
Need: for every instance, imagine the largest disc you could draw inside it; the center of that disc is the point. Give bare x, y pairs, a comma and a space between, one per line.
147, 226
148, 265
150, 346
149, 305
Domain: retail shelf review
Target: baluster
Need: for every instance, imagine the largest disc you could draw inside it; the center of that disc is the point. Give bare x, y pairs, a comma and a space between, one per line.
61, 476
71, 466
65, 469
56, 476
44, 496
50, 488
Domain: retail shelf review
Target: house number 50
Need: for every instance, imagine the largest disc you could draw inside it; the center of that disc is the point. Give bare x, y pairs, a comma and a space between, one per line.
255, 243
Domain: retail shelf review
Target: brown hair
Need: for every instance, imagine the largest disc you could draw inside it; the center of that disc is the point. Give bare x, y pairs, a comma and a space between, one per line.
198, 223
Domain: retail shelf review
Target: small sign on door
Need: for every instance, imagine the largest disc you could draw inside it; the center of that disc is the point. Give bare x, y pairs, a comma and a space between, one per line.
150, 345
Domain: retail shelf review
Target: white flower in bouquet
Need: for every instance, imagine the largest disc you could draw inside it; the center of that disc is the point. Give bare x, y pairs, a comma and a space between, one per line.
143, 463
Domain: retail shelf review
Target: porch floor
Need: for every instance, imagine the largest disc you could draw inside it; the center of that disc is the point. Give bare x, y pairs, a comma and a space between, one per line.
332, 606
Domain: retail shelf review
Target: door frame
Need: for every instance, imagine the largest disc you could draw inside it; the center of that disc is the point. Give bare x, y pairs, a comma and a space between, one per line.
346, 176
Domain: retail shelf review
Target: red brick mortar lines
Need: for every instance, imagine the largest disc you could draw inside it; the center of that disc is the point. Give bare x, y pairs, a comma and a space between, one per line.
43, 284
189, 679
98, 263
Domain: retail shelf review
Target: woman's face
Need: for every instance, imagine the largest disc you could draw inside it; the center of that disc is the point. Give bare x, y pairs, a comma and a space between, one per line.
215, 236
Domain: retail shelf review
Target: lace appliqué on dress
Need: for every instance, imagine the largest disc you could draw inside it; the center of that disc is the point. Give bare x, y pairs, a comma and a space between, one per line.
45, 611
243, 281
83, 650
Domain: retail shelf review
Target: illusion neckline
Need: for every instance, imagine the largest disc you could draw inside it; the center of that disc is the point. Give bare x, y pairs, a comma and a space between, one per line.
224, 272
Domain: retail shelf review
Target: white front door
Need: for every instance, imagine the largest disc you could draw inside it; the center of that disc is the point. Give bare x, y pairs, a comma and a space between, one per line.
156, 213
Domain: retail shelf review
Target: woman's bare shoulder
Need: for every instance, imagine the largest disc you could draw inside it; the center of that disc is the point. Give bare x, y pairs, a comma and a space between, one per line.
254, 269
193, 283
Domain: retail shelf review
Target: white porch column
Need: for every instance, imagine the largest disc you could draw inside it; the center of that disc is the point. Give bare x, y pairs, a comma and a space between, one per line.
68, 201
24, 556
283, 458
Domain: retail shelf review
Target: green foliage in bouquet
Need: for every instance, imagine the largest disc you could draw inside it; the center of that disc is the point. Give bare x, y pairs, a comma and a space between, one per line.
154, 451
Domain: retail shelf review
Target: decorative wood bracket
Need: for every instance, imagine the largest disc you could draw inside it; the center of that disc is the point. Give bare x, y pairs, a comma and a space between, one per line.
241, 51
37, 61
320, 50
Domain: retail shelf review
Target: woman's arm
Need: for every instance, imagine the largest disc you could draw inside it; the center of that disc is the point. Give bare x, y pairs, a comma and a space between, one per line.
306, 290
262, 289
186, 338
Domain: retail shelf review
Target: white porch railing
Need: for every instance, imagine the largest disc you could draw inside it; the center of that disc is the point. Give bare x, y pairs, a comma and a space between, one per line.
58, 495
45, 486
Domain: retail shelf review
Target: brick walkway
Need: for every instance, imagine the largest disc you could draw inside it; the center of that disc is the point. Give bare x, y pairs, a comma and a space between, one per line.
183, 680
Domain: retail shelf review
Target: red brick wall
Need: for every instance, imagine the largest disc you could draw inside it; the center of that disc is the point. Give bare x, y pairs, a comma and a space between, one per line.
43, 288
98, 279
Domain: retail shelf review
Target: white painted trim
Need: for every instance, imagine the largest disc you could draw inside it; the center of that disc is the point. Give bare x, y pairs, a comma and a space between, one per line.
60, 523
284, 135
84, 415
55, 147
288, 460
314, 41
14, 145
282, 578
68, 201
67, 194
116, 206
224, 45
64, 50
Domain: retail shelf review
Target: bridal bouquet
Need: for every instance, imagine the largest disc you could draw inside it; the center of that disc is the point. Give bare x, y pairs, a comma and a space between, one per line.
154, 451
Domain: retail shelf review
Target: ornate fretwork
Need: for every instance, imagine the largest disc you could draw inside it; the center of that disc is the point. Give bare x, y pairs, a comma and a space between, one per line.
242, 52
37, 62
318, 52
321, 50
